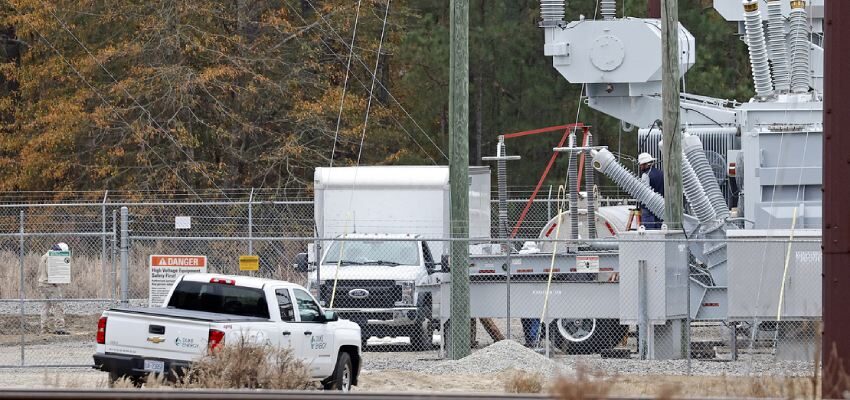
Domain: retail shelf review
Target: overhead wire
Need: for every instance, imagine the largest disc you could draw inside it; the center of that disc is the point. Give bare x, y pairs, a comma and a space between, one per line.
345, 83
381, 85
356, 78
372, 88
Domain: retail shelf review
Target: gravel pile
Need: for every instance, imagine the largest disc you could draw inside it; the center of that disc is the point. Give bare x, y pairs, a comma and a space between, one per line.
500, 356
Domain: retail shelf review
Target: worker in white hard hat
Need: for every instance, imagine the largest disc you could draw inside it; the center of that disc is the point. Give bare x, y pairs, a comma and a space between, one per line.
655, 179
52, 314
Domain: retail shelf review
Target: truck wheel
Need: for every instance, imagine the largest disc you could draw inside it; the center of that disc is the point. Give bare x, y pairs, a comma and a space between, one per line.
586, 336
421, 333
343, 374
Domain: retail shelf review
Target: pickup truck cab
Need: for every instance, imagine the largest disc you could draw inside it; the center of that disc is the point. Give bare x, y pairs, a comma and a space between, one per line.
378, 281
204, 311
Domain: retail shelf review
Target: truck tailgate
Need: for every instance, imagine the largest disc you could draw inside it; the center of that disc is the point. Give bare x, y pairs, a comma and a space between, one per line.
161, 332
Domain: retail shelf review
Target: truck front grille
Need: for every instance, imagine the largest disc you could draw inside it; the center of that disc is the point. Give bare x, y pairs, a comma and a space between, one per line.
382, 294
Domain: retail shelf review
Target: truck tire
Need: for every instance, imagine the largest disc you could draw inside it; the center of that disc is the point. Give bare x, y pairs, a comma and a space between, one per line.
422, 334
343, 374
586, 336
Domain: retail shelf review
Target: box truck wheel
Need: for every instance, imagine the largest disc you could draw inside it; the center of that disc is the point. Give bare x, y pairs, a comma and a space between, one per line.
422, 332
586, 336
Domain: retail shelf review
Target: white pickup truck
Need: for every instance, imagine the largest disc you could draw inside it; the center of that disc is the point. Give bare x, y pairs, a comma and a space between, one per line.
204, 311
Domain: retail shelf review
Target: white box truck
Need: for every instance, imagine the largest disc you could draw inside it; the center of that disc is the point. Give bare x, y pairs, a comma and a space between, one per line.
381, 274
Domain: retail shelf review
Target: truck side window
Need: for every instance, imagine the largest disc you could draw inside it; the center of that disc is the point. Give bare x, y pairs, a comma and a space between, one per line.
307, 308
287, 313
426, 254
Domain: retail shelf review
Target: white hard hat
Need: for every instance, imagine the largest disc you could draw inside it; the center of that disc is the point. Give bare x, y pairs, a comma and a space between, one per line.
645, 158
61, 246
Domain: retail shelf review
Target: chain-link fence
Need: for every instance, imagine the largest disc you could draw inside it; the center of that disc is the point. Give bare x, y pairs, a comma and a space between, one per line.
639, 296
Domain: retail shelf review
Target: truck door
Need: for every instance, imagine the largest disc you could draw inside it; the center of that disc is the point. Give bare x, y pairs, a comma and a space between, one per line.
287, 319
317, 341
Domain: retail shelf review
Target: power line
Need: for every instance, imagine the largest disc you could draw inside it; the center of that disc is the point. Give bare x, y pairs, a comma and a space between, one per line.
360, 60
400, 125
345, 86
372, 88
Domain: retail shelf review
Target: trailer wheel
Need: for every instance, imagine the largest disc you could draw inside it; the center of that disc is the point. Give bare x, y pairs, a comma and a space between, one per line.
586, 336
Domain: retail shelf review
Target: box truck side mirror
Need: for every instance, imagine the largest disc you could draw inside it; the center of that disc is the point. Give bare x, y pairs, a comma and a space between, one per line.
443, 264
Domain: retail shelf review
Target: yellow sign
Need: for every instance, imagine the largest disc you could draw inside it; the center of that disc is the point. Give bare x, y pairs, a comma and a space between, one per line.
249, 263
156, 339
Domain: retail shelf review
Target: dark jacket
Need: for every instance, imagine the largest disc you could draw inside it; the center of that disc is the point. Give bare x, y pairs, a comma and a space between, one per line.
656, 180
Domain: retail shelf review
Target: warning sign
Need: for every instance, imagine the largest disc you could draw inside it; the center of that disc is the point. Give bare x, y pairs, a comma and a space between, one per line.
58, 266
164, 271
587, 263
249, 263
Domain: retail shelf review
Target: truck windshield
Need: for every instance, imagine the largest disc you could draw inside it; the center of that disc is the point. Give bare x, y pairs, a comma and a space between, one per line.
373, 252
219, 298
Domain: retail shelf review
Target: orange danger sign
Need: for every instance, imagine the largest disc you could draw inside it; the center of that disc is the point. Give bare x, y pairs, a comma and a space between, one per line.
178, 261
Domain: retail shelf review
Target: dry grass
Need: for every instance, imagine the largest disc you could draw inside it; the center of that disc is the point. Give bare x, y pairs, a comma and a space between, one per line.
91, 278
584, 385
523, 382
588, 386
87, 277
242, 365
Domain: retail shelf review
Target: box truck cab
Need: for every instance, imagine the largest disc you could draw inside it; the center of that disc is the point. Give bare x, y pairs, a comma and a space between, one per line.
377, 264
378, 280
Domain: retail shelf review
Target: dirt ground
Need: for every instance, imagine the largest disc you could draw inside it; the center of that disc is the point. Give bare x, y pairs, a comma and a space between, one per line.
395, 381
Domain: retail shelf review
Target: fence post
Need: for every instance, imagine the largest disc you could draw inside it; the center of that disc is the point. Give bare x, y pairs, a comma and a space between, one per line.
251, 223
733, 341
104, 274
21, 282
112, 274
688, 316
124, 254
643, 314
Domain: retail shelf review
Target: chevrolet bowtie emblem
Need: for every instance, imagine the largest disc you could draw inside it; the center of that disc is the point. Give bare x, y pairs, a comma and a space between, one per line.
156, 339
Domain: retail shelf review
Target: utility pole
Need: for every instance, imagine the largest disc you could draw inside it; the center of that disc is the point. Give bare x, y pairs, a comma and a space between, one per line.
836, 196
672, 143
459, 177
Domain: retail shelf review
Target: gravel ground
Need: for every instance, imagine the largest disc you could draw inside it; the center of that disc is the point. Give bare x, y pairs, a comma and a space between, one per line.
13, 307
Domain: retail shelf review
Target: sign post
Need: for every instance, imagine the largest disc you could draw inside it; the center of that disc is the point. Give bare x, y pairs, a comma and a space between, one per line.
164, 270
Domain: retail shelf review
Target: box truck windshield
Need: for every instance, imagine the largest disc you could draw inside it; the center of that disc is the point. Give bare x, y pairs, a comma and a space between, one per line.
372, 252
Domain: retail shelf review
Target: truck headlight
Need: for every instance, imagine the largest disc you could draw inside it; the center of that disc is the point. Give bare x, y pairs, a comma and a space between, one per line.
407, 291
